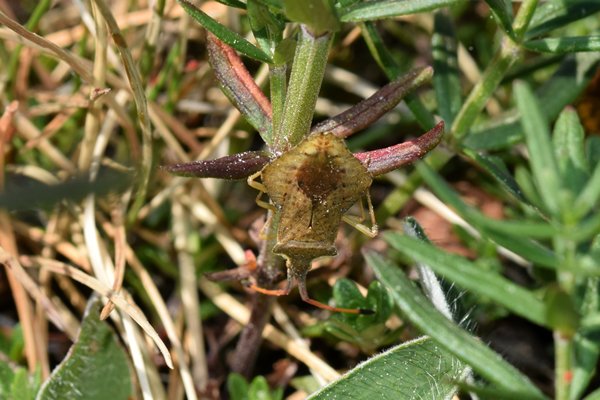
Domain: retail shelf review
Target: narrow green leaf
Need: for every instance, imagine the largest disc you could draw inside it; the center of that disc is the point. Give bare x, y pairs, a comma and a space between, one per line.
471, 277
240, 87
419, 369
590, 194
446, 80
562, 89
318, 15
556, 14
586, 347
233, 3
225, 35
378, 9
496, 168
502, 11
96, 366
416, 308
476, 218
564, 44
266, 26
568, 140
541, 155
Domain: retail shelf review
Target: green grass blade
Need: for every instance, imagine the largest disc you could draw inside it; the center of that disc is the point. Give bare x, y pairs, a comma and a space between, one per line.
416, 308
420, 367
378, 9
469, 276
564, 44
226, 35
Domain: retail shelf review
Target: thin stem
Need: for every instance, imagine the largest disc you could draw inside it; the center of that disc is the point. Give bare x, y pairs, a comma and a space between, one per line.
563, 348
305, 81
482, 91
523, 18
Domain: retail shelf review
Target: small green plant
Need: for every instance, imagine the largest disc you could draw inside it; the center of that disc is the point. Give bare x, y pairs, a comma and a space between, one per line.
258, 389
499, 105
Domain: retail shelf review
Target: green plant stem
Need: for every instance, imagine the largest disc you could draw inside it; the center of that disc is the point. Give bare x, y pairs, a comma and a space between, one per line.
305, 81
523, 18
278, 88
31, 24
493, 75
563, 348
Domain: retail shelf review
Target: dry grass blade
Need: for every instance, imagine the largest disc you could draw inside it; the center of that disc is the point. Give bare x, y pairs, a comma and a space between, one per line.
139, 97
128, 308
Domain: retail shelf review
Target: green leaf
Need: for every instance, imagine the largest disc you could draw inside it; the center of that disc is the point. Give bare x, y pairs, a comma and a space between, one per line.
259, 389
446, 80
541, 155
224, 34
266, 26
240, 87
237, 387
378, 9
586, 347
562, 89
96, 367
469, 276
595, 395
233, 3
556, 14
564, 44
502, 11
24, 386
446, 333
569, 148
497, 169
420, 369
6, 377
319, 15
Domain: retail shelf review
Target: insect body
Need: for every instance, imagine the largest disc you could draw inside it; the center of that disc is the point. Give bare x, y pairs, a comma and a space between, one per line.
311, 187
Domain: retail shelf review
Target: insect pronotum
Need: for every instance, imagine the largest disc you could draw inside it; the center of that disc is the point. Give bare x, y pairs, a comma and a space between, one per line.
312, 186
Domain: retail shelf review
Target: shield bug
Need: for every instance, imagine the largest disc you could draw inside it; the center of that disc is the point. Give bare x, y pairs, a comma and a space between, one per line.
312, 186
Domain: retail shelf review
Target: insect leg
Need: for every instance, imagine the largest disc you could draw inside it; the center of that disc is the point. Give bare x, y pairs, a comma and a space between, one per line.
274, 292
305, 297
261, 190
355, 222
